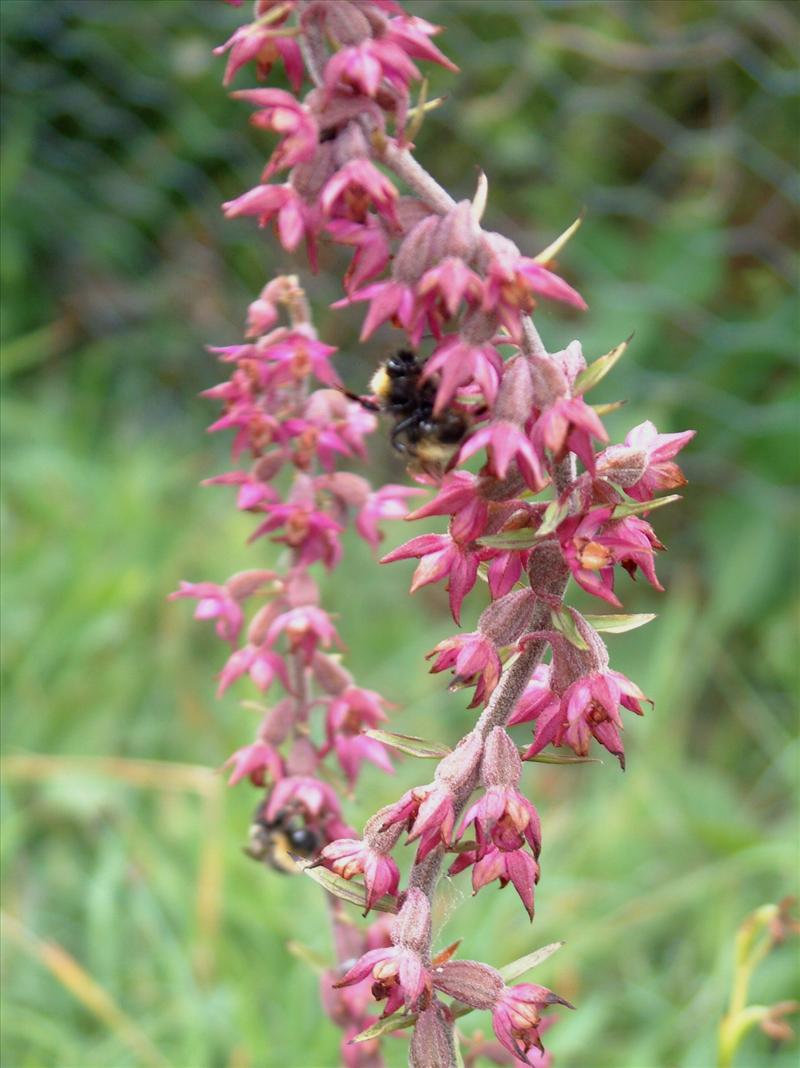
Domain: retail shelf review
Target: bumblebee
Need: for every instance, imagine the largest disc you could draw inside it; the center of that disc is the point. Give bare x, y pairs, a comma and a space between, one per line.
277, 842
399, 389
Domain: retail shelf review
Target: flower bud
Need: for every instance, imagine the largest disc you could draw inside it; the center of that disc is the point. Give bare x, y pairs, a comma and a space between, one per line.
381, 841
245, 583
329, 673
432, 1041
549, 381
507, 618
412, 925
456, 235
413, 255
277, 723
571, 361
303, 758
346, 24
622, 464
475, 984
515, 397
458, 767
547, 570
261, 621
501, 763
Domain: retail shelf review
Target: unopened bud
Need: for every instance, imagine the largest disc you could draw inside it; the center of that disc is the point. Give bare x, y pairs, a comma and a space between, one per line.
382, 841
571, 361
277, 723
458, 767
622, 464
329, 673
346, 24
432, 1041
547, 570
261, 621
457, 234
515, 398
501, 763
413, 256
507, 618
549, 381
412, 925
303, 758
470, 982
245, 583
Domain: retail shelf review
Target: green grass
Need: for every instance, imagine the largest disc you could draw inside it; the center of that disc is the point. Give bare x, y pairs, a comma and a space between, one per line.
177, 943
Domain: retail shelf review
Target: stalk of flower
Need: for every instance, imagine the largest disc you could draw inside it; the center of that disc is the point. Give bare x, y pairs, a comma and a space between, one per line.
472, 292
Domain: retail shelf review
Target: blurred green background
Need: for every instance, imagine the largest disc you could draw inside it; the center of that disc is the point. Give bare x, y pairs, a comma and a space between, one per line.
136, 932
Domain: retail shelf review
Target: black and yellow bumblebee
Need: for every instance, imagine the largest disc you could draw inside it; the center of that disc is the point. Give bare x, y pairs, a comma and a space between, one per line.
398, 388
277, 841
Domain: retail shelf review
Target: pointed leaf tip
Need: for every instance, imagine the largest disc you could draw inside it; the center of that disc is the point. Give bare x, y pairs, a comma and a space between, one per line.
407, 743
524, 964
598, 370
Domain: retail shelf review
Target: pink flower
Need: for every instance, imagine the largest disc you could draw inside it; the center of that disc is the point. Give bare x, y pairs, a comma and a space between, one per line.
295, 217
263, 666
367, 65
371, 242
412, 34
316, 799
428, 813
448, 283
253, 761
313, 534
294, 355
440, 556
510, 287
569, 424
356, 186
348, 857
505, 441
252, 490
516, 1019
504, 819
588, 707
388, 502
279, 111
264, 44
459, 497
306, 627
391, 299
593, 543
398, 975
661, 472
507, 866
350, 713
536, 696
214, 602
474, 661
458, 363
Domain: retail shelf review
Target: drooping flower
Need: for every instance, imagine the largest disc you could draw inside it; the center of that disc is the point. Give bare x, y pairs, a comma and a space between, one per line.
255, 762
280, 112
440, 556
349, 714
214, 602
661, 472
514, 866
517, 1019
367, 856
474, 661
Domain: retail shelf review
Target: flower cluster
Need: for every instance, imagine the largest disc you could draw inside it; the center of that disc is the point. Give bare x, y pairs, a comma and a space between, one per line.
531, 490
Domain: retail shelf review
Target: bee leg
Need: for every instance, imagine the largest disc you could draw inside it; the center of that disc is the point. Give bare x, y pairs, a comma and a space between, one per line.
401, 428
365, 402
